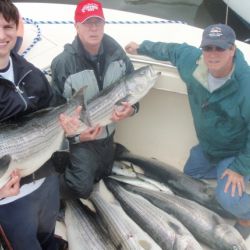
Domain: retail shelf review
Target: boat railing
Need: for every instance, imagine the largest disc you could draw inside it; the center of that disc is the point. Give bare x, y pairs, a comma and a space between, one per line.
170, 79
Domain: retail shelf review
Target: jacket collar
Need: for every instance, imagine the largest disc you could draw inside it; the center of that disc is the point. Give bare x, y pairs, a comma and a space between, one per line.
201, 75
20, 66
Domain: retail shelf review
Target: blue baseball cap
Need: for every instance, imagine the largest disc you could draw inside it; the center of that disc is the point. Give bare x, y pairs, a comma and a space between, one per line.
220, 35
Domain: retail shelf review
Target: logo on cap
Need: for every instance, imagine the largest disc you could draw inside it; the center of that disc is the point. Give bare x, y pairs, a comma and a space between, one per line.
215, 32
90, 7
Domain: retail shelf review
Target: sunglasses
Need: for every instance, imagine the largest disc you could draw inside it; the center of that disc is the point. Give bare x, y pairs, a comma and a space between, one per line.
90, 23
212, 48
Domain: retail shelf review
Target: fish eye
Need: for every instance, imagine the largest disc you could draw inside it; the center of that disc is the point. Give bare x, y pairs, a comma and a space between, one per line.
236, 248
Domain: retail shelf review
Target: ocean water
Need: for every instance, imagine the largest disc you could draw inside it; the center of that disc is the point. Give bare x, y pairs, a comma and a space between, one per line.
200, 13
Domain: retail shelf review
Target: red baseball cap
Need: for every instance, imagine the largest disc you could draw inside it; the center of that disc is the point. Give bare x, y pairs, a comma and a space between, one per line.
87, 9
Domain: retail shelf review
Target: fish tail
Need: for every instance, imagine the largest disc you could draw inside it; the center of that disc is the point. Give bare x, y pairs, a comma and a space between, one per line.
84, 117
4, 164
119, 150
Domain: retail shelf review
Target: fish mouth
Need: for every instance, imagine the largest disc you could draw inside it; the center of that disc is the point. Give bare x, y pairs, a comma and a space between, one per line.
157, 75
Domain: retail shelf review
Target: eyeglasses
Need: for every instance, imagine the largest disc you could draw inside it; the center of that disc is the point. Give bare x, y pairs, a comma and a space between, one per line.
97, 23
212, 48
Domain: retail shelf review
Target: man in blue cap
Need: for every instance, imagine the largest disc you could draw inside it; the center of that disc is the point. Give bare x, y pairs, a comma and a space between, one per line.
218, 85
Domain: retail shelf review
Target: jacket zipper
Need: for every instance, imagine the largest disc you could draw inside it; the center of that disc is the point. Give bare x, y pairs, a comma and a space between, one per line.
20, 92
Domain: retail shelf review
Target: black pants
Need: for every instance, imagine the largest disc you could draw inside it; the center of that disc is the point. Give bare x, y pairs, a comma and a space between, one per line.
29, 222
89, 162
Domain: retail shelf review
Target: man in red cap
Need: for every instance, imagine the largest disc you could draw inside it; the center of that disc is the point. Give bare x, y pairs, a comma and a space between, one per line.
95, 60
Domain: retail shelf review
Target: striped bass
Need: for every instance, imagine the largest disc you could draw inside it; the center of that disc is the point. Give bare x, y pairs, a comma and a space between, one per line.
125, 233
161, 186
83, 231
120, 168
166, 230
180, 183
126, 173
133, 181
205, 225
29, 143
142, 182
130, 88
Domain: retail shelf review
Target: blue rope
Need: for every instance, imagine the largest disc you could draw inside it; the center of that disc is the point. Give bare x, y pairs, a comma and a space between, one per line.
30, 21
36, 39
39, 37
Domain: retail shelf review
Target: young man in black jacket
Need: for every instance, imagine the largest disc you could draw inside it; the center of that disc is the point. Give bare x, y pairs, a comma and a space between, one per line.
27, 212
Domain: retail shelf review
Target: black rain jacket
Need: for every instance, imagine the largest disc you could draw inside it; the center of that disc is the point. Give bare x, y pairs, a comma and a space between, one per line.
29, 92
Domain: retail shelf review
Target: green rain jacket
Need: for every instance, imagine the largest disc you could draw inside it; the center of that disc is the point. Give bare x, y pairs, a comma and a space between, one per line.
221, 118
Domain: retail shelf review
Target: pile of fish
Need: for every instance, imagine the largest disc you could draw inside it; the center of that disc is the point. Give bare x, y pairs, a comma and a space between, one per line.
138, 212
182, 184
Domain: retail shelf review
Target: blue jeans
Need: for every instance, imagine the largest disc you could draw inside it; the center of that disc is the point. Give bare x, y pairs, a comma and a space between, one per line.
29, 222
198, 166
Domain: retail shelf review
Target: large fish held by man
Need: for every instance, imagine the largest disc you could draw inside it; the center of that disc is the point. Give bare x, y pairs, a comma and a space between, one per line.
129, 89
30, 142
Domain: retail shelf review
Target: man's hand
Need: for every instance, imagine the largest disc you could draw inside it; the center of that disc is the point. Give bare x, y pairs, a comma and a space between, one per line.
70, 124
12, 187
122, 111
234, 179
131, 48
90, 134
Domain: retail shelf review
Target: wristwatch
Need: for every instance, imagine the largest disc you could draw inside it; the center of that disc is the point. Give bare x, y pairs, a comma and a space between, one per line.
135, 109
74, 139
